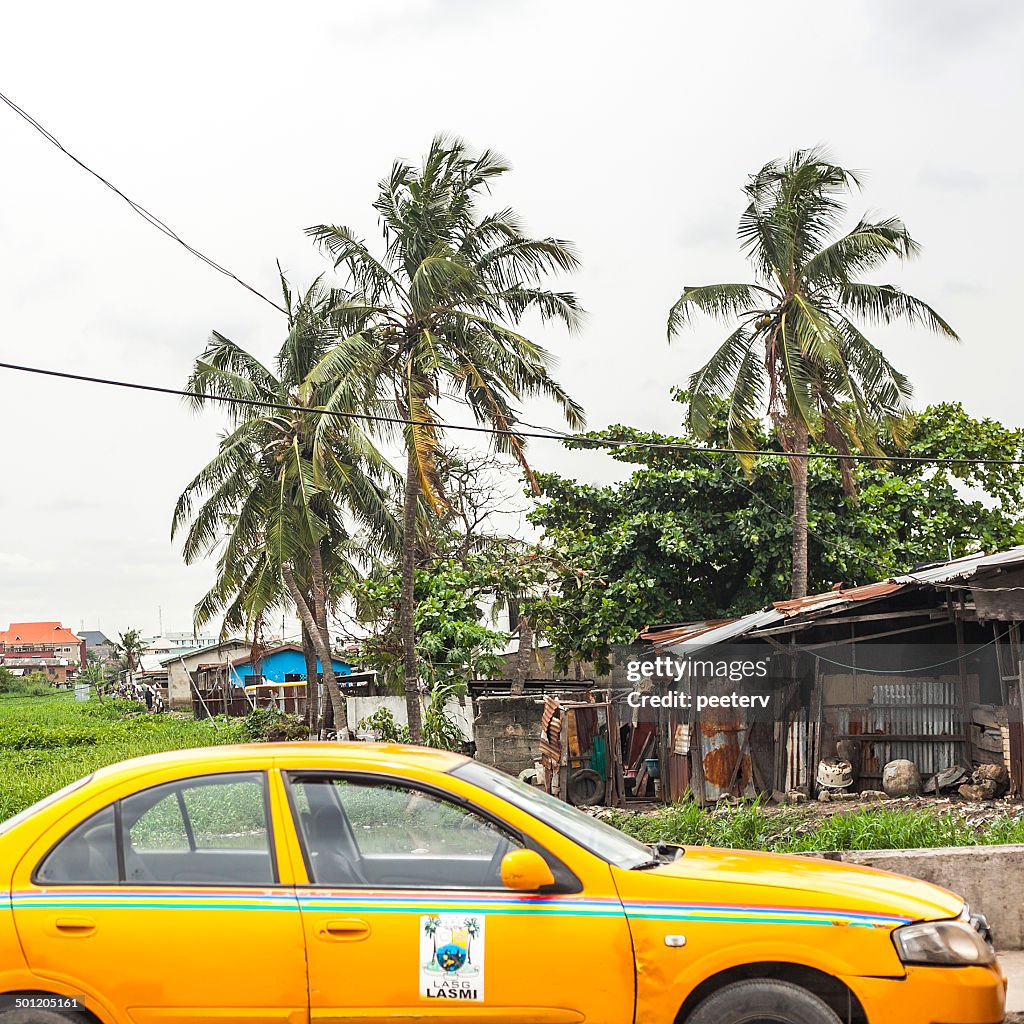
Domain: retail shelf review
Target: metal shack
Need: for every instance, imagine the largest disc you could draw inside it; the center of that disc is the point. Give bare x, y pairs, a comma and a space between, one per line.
925, 666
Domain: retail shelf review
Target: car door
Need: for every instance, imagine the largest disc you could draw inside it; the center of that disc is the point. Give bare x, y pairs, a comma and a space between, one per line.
406, 917
166, 903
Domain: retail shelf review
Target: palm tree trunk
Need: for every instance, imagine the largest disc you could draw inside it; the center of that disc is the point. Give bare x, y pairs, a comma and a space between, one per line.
407, 602
521, 671
798, 473
312, 684
315, 634
337, 699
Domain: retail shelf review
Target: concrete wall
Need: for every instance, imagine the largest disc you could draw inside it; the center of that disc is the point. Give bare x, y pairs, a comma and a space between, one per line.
990, 878
508, 731
362, 707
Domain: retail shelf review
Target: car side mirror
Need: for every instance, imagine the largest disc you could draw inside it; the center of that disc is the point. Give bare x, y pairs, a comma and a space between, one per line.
525, 870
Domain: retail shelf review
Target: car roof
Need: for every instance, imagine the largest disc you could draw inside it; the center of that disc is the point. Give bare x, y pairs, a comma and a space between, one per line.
302, 754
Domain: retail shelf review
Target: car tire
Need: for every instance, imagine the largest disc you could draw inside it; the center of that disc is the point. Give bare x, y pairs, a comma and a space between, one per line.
761, 1001
40, 1017
586, 788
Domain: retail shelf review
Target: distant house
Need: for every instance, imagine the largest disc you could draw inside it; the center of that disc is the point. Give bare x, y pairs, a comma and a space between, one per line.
94, 638
188, 669
98, 646
178, 643
46, 647
285, 664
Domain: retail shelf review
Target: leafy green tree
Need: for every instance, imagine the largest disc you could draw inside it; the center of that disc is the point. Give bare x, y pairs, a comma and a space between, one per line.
437, 314
796, 350
454, 640
284, 489
690, 536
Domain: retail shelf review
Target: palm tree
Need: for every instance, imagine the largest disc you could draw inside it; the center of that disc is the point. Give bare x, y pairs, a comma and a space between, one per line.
472, 926
796, 350
283, 489
435, 316
128, 649
95, 675
430, 926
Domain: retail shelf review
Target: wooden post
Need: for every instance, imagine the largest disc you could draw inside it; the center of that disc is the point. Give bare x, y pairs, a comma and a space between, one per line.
961, 662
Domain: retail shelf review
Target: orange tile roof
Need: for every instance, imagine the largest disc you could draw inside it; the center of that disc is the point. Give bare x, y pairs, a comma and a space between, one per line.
38, 633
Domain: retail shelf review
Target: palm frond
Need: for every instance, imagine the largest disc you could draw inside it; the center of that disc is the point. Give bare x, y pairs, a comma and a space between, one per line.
720, 301
884, 303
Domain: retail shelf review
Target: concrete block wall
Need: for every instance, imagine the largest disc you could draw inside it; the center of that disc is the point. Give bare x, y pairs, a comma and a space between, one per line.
507, 731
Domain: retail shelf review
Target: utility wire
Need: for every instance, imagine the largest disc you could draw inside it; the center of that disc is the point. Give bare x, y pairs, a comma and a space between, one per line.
548, 434
138, 208
542, 435
909, 671
539, 433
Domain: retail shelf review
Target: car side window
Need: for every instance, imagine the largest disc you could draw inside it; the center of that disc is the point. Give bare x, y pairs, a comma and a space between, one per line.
363, 832
87, 854
161, 827
208, 830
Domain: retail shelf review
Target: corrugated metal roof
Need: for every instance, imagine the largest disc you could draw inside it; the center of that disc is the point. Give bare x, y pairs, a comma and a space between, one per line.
963, 568
694, 636
836, 598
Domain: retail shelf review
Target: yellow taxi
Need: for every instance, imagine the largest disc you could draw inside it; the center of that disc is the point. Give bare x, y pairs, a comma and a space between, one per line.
363, 883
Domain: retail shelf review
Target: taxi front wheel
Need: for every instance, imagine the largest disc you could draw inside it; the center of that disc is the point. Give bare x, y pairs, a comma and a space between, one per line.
762, 1001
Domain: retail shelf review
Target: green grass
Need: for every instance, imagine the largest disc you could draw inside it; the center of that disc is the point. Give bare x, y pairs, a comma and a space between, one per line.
792, 830
51, 740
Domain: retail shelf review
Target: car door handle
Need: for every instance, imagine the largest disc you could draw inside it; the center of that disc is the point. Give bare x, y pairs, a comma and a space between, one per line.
351, 928
75, 925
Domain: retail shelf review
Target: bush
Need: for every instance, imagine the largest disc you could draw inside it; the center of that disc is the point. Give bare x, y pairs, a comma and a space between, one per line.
385, 729
114, 710
270, 725
34, 685
39, 737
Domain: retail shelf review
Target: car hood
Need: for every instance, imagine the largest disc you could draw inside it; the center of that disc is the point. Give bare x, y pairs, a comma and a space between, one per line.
706, 875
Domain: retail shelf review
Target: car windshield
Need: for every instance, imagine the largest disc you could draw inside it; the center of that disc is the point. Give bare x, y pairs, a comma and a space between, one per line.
600, 839
6, 826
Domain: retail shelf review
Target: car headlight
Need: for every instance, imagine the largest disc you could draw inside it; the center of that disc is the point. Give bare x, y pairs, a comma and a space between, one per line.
942, 943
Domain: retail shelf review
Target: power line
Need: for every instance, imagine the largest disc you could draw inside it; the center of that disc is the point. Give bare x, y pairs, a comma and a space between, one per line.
538, 433
908, 671
546, 434
138, 208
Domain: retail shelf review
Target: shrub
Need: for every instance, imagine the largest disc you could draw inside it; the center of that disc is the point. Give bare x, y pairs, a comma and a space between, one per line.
273, 726
35, 684
38, 737
383, 725
114, 710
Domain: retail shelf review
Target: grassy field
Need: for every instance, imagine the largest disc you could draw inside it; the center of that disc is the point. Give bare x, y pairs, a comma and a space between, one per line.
798, 830
48, 741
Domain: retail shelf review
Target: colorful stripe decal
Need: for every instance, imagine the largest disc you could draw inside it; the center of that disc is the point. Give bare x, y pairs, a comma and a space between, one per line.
368, 901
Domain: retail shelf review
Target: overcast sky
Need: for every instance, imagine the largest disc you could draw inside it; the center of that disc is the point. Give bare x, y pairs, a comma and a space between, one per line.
631, 129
